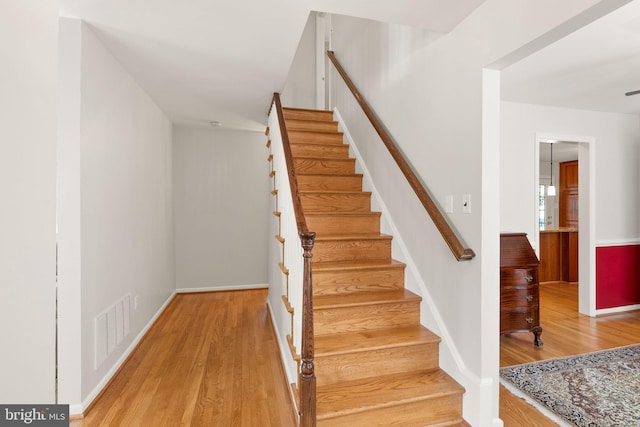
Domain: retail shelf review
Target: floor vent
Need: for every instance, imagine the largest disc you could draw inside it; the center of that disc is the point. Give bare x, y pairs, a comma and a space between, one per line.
111, 327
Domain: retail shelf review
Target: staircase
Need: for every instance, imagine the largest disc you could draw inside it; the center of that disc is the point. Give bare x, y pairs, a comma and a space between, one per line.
375, 364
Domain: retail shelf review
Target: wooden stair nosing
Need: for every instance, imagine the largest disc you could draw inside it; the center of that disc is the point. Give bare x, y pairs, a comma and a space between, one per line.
391, 390
319, 182
309, 121
322, 159
324, 166
354, 342
358, 222
320, 151
300, 136
311, 125
345, 214
453, 423
354, 236
339, 193
356, 265
335, 201
324, 175
319, 115
319, 143
328, 302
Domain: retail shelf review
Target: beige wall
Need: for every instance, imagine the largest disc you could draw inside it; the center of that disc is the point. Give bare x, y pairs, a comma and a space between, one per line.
221, 205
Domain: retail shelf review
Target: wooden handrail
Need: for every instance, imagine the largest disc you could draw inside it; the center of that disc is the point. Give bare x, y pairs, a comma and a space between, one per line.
459, 251
307, 238
288, 157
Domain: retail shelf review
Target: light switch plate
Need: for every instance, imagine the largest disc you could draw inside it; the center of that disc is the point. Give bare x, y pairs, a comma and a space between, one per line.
466, 203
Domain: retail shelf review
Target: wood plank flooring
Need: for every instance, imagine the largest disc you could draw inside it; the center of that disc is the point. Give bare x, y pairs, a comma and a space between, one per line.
211, 359
565, 333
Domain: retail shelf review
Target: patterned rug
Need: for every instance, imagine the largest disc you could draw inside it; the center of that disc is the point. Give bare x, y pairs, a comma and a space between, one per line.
595, 390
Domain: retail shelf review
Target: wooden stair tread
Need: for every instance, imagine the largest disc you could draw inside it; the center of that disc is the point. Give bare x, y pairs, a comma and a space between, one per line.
456, 423
356, 265
319, 144
313, 110
323, 302
324, 159
349, 342
339, 192
361, 236
309, 121
324, 175
339, 214
313, 131
364, 394
305, 124
319, 115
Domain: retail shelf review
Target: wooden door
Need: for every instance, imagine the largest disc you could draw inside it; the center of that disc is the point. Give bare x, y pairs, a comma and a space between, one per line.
568, 194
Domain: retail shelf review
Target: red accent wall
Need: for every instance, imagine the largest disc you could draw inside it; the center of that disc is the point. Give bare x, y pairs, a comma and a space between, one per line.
617, 276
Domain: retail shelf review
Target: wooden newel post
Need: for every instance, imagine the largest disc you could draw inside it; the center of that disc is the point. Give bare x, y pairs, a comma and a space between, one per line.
307, 373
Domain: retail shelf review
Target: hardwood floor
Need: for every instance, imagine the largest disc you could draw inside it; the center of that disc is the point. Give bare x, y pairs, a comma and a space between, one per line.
565, 333
211, 359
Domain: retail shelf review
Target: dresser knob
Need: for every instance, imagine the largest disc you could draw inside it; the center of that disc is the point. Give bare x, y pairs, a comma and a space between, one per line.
529, 319
529, 298
528, 278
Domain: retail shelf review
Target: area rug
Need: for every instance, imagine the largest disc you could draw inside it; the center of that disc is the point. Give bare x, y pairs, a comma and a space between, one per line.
595, 389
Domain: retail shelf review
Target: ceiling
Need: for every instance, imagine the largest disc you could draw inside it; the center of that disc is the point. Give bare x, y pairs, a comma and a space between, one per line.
590, 69
221, 60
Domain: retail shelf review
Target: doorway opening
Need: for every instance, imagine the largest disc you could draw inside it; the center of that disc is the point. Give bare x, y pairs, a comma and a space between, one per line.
565, 243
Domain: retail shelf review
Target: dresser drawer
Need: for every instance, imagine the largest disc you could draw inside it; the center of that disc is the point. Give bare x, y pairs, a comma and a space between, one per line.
519, 319
518, 276
519, 297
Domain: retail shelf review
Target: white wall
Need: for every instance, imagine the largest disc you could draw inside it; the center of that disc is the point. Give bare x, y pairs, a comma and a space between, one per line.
221, 207
616, 150
68, 214
299, 90
28, 80
429, 93
116, 215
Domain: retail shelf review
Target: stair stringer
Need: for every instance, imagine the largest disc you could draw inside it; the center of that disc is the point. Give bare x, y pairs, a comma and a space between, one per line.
450, 359
284, 250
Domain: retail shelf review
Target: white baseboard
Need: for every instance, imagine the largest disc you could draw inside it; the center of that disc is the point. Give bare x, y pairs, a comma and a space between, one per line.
615, 310
220, 288
75, 409
284, 351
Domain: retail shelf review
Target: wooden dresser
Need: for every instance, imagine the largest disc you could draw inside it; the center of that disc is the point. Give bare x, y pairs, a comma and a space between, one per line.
519, 296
